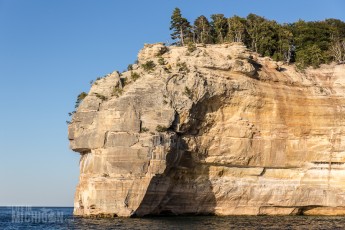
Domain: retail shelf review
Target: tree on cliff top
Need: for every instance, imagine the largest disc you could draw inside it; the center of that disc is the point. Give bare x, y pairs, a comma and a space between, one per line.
236, 29
220, 27
202, 30
304, 43
181, 28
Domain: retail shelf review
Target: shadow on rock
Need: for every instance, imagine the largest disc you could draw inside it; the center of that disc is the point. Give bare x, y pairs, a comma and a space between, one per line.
184, 189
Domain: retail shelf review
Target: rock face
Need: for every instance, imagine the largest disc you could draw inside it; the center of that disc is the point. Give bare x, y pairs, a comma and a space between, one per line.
215, 131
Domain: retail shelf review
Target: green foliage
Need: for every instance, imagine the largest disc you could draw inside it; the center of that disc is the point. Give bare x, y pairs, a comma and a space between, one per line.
148, 66
182, 67
188, 92
313, 41
181, 28
100, 96
123, 81
80, 98
161, 128
161, 61
144, 130
219, 27
105, 175
310, 56
202, 30
306, 43
337, 50
191, 47
117, 91
130, 67
284, 48
268, 37
253, 29
162, 51
167, 70
134, 76
71, 113
236, 29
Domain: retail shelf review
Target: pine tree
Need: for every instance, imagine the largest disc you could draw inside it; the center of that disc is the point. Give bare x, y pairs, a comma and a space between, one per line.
202, 30
181, 28
220, 27
237, 29
313, 42
267, 38
253, 29
337, 47
285, 48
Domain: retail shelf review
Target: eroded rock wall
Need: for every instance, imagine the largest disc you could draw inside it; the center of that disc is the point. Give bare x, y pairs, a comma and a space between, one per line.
218, 130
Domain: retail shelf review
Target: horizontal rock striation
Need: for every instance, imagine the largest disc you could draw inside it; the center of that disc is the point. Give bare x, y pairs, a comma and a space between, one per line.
218, 130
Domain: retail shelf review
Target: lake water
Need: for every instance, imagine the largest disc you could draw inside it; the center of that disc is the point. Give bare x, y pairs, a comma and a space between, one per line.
62, 218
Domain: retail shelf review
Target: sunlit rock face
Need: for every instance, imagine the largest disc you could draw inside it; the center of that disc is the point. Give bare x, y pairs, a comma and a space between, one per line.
218, 130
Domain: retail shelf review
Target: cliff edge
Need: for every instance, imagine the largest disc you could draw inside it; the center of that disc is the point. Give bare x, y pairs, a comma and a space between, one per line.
215, 129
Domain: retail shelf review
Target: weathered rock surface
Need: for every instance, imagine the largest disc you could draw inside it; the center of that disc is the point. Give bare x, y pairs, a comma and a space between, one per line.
216, 131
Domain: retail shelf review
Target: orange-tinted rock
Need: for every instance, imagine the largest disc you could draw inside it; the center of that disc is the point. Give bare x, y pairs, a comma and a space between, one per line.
212, 131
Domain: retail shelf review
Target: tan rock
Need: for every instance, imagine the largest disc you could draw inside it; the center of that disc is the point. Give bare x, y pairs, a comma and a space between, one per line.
213, 131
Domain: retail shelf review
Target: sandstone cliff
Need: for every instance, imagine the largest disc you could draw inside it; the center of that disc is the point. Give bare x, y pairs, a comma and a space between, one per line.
218, 130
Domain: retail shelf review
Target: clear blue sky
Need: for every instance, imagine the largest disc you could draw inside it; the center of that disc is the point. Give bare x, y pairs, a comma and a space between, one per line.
49, 52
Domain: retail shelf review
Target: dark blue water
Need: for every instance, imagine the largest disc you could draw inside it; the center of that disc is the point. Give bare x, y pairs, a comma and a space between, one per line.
62, 218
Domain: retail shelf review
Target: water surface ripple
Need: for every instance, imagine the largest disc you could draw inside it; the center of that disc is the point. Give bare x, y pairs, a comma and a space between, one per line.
62, 218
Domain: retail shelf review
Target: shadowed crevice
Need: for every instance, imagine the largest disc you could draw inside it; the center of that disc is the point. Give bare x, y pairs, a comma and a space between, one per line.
185, 187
